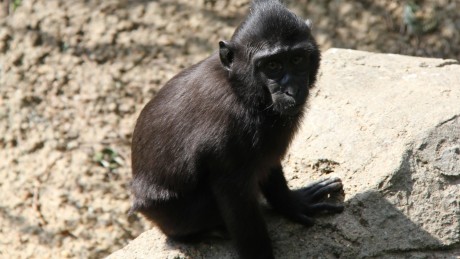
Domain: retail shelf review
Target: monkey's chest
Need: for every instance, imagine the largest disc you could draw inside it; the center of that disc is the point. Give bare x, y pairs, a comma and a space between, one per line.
271, 144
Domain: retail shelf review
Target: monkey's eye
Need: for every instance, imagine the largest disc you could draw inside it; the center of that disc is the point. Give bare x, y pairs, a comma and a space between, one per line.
297, 60
274, 66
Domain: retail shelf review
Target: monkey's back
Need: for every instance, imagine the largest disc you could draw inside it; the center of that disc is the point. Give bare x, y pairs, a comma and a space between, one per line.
176, 130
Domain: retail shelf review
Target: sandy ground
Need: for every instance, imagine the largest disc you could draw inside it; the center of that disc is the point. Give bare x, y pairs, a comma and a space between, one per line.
75, 74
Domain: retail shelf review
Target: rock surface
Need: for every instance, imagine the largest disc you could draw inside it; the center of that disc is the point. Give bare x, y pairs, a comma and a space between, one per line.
389, 126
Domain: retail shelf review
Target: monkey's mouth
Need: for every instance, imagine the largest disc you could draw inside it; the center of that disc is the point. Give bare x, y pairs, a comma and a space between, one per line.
285, 104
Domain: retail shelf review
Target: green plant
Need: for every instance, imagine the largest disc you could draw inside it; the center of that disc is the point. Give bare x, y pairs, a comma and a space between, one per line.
16, 4
417, 20
108, 158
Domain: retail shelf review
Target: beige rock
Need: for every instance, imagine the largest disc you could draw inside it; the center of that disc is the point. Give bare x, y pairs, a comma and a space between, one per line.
389, 126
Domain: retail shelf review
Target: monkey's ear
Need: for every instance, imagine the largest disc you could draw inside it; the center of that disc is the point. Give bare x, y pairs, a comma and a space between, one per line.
226, 54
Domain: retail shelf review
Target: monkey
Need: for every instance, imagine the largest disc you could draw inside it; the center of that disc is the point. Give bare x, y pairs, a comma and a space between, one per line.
211, 142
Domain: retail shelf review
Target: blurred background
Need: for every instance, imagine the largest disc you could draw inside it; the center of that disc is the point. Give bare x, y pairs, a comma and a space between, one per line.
74, 75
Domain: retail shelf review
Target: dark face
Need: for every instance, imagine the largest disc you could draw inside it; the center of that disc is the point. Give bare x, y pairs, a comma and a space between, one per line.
286, 75
272, 59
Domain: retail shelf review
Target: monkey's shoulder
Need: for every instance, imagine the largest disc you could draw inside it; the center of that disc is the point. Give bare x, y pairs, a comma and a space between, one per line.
201, 91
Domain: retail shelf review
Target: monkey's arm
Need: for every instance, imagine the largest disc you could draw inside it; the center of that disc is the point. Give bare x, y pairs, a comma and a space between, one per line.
299, 205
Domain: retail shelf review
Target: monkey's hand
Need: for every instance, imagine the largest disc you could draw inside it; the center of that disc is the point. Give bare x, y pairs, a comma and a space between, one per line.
299, 205
310, 200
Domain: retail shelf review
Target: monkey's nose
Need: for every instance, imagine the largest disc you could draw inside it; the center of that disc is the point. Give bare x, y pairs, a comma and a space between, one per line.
285, 80
290, 91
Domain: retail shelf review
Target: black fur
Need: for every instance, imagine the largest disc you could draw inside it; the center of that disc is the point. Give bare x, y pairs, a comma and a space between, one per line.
214, 136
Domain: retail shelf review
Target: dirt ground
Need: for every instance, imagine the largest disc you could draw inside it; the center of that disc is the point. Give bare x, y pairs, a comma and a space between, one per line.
75, 74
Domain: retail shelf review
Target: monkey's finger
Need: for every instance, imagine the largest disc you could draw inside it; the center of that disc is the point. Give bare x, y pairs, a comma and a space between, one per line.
325, 190
315, 186
316, 182
302, 219
324, 207
321, 189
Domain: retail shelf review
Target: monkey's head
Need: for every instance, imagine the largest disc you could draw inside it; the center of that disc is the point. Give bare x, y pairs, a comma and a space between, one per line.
272, 49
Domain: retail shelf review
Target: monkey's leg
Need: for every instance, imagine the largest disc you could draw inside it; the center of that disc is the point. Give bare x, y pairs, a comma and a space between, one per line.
188, 219
240, 210
299, 205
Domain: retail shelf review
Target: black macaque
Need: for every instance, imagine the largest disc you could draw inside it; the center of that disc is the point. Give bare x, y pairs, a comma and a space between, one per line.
214, 136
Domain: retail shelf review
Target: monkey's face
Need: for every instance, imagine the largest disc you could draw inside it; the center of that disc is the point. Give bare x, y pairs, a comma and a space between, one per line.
281, 57
286, 73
